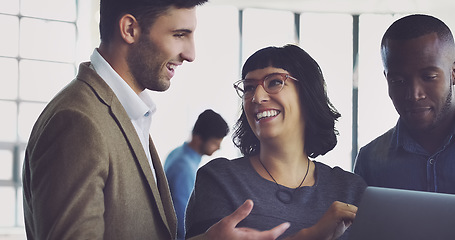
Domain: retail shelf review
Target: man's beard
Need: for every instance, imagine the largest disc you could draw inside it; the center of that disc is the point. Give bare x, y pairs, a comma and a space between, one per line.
446, 108
145, 65
443, 112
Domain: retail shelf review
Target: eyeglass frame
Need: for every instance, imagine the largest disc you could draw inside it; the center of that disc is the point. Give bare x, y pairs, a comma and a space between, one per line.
261, 82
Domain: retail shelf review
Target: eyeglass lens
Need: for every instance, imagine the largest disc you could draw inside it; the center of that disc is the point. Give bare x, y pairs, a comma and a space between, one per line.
272, 83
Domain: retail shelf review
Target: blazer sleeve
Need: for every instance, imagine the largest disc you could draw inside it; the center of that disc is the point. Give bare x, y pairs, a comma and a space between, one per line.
67, 170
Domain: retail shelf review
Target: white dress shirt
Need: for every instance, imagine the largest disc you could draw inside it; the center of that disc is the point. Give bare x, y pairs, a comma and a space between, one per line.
139, 108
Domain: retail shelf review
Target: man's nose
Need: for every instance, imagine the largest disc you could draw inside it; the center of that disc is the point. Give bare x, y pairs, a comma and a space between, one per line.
415, 91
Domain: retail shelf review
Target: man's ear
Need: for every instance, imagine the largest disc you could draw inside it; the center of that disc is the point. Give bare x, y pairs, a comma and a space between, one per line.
196, 138
129, 28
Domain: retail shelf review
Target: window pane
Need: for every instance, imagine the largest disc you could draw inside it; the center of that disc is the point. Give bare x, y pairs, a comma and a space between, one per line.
10, 44
337, 70
7, 206
6, 165
20, 208
9, 116
47, 44
40, 81
263, 28
9, 6
52, 9
21, 162
28, 113
8, 68
376, 111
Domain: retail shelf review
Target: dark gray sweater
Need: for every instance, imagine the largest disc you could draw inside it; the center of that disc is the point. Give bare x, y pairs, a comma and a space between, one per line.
222, 185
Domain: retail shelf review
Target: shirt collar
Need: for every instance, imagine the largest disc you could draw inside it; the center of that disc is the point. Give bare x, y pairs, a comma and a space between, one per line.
135, 105
190, 150
402, 138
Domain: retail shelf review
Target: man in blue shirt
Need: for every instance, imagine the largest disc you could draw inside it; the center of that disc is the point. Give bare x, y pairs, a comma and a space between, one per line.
418, 53
182, 163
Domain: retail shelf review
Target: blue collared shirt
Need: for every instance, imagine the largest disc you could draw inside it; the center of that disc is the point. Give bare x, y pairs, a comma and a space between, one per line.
180, 167
395, 160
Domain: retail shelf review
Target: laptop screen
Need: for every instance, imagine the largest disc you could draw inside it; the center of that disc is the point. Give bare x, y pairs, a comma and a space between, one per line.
394, 214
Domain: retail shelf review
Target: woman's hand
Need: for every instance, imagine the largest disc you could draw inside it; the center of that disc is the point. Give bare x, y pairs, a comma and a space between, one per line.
332, 225
226, 227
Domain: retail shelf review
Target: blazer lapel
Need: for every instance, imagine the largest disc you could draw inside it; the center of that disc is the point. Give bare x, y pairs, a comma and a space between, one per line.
103, 91
163, 188
158, 189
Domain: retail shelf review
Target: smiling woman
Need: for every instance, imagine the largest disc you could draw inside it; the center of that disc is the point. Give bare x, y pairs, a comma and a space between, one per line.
283, 123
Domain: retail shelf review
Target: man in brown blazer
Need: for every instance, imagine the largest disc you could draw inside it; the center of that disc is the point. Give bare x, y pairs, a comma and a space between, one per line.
91, 170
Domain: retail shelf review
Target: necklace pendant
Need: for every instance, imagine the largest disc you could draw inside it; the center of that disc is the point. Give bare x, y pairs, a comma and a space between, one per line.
284, 196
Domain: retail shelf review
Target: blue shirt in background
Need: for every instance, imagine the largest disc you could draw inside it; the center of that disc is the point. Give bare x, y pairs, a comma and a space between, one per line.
395, 160
180, 167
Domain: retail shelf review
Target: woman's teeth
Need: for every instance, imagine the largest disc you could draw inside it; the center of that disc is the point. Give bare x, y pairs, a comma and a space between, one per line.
265, 114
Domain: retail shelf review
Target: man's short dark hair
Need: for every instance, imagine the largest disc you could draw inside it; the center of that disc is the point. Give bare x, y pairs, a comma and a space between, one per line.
210, 124
416, 25
145, 11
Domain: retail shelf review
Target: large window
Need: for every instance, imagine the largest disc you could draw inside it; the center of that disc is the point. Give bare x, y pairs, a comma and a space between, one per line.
328, 39
375, 110
37, 58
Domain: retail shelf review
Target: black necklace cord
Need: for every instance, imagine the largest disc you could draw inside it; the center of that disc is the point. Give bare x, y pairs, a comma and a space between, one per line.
284, 195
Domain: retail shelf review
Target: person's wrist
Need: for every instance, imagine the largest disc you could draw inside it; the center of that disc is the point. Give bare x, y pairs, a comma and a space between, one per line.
312, 233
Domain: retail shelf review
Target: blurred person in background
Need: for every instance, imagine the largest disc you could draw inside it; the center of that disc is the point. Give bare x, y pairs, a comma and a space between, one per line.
182, 163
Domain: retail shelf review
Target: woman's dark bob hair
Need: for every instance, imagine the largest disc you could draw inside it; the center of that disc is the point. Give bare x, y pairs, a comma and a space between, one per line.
320, 114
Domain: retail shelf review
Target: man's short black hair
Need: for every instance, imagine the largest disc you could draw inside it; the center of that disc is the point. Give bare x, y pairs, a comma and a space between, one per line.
416, 25
210, 124
145, 11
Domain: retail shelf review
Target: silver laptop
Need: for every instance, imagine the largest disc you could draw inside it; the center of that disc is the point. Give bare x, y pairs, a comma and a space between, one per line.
393, 214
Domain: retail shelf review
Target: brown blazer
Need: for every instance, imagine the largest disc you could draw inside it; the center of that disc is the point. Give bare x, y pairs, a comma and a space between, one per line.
85, 174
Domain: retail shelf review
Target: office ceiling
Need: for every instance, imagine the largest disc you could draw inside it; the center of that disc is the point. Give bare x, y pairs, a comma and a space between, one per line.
346, 6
